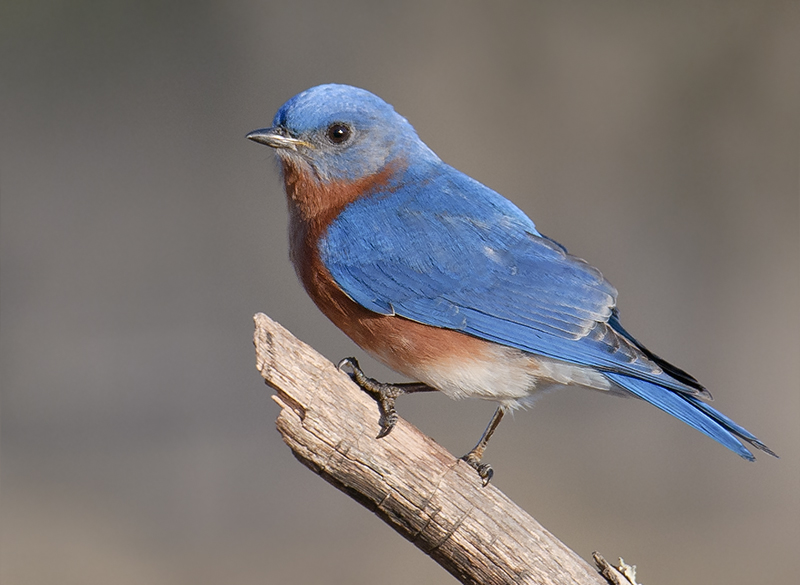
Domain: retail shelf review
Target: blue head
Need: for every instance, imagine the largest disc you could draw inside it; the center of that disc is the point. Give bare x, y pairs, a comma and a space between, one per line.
341, 133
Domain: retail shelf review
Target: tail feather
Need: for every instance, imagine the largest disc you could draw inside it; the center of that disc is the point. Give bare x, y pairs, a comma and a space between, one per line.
695, 413
736, 429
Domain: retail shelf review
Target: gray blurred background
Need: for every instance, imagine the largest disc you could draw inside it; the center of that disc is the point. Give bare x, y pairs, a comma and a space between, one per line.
140, 231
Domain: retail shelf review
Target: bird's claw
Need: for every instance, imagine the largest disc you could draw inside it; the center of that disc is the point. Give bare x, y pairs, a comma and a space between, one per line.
350, 362
388, 419
384, 394
484, 470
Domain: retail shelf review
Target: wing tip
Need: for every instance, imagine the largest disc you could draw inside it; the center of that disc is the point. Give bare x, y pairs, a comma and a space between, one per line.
762, 447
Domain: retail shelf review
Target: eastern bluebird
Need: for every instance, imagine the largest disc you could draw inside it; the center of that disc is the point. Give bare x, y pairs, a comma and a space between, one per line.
446, 281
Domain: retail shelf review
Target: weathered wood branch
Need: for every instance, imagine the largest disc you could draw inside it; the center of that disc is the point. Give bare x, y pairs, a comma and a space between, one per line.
413, 484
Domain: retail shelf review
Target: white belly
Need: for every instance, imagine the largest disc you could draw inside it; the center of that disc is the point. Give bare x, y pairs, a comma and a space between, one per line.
505, 375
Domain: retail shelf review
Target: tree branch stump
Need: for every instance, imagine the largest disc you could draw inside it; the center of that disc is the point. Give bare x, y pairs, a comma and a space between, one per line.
413, 484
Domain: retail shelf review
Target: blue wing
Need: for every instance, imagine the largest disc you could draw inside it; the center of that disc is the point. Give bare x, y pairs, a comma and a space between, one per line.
457, 255
451, 253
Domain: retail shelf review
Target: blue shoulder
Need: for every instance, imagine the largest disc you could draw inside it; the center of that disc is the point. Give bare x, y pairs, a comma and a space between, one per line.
420, 238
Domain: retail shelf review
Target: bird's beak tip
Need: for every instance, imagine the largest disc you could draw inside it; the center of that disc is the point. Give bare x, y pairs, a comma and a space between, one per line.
276, 138
262, 136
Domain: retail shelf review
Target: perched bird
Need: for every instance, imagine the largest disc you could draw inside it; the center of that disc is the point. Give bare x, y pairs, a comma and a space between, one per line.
447, 282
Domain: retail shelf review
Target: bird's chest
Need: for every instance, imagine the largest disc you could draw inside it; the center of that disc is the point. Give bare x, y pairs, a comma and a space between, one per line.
350, 317
449, 360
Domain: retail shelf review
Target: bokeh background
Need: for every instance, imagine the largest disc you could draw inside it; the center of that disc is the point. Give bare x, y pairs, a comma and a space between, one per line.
140, 231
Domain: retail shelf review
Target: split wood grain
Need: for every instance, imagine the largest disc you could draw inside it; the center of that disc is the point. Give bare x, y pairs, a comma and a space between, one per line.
409, 481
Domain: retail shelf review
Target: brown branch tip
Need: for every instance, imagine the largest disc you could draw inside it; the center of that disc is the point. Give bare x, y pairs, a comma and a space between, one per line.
408, 480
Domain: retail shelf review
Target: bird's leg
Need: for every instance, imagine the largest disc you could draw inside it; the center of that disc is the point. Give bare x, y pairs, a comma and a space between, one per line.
473, 458
385, 394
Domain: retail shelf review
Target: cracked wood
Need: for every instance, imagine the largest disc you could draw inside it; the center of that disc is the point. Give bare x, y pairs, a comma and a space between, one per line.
409, 481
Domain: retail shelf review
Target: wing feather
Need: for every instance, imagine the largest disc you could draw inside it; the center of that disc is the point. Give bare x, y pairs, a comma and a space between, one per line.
455, 254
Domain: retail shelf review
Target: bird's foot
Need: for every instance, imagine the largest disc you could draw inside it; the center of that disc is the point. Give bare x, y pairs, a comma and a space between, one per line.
474, 457
384, 394
485, 471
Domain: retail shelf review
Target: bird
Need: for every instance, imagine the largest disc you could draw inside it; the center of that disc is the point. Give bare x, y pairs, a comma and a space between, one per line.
447, 282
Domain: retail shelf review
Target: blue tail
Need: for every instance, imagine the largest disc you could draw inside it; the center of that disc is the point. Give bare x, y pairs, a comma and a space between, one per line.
695, 413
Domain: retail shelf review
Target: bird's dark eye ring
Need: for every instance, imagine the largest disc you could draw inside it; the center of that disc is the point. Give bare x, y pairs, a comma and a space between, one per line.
339, 133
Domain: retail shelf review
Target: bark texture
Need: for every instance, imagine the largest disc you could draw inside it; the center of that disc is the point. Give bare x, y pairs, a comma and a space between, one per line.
409, 481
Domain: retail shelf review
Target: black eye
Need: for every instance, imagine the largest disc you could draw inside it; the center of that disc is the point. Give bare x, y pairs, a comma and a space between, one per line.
338, 133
